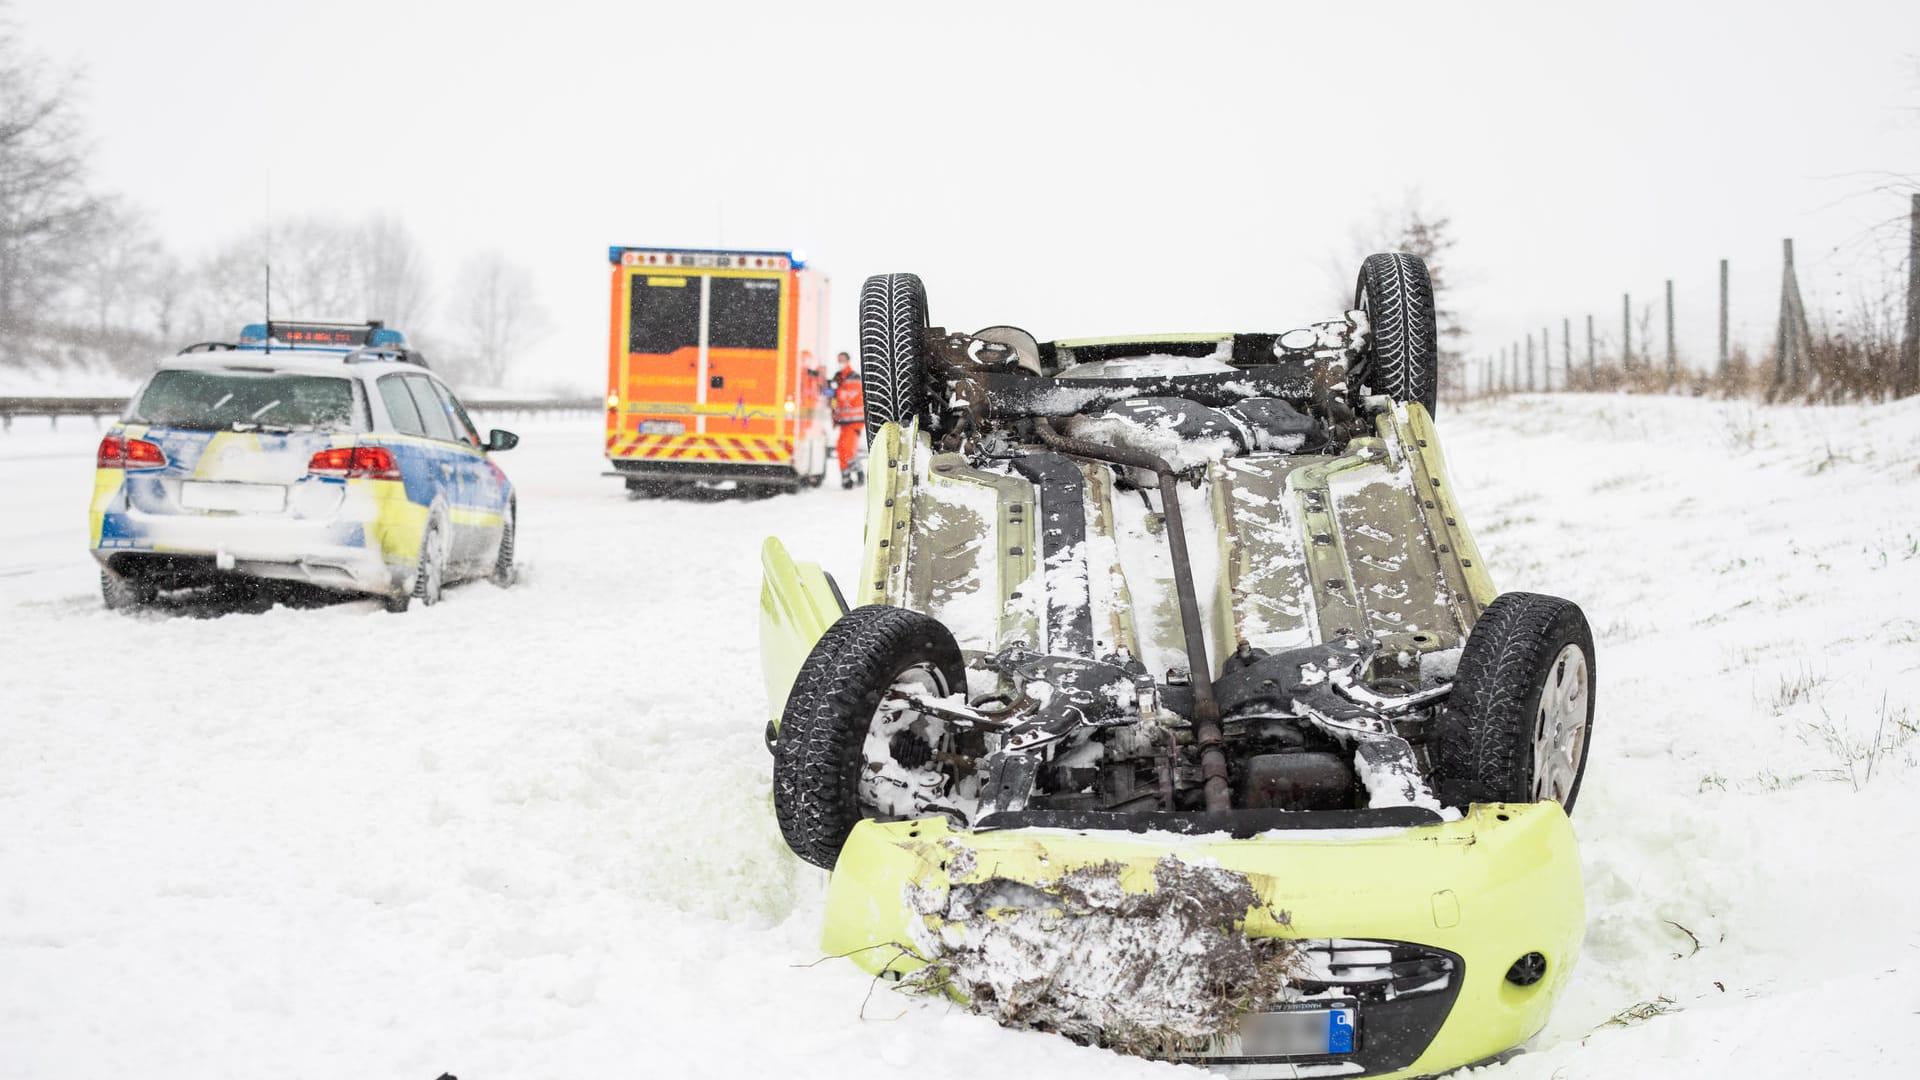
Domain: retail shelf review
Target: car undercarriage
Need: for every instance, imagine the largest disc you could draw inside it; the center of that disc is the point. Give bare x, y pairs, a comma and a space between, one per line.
1213, 586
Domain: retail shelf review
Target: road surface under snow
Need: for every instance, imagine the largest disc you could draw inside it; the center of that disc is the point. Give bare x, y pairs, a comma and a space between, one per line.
527, 832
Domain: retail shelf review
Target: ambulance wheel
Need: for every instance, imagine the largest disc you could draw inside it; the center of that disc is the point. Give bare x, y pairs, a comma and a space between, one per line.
1403, 358
1517, 724
834, 756
893, 351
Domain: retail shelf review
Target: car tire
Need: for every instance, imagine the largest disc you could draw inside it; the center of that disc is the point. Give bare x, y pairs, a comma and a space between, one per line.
125, 594
1403, 358
503, 560
430, 570
820, 748
893, 351
1518, 724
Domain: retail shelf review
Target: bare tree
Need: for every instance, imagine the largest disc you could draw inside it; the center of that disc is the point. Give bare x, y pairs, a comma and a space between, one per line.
45, 205
497, 314
116, 264
392, 274
323, 268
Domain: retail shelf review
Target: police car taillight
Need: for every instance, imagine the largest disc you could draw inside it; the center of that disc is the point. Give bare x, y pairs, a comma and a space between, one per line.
117, 452
354, 463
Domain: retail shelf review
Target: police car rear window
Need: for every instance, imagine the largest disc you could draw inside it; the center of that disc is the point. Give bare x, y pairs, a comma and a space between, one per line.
244, 401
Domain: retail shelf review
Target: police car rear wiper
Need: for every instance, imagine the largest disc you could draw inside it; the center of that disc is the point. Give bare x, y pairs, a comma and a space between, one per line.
271, 429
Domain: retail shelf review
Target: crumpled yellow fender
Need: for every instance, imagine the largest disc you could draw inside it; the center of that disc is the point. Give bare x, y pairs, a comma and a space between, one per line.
797, 604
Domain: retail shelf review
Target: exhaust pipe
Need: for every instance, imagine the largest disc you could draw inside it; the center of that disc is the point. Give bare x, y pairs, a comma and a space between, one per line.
1206, 710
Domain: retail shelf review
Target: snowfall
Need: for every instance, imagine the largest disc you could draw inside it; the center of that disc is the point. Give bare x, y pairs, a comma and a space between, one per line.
528, 833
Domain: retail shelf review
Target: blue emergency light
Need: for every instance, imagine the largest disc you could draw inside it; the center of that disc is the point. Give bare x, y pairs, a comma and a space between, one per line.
322, 335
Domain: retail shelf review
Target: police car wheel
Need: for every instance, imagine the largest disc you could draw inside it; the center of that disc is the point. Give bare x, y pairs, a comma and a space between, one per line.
503, 562
430, 573
124, 594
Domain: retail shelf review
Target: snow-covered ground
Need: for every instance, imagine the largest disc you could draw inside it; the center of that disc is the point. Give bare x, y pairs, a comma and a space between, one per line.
527, 832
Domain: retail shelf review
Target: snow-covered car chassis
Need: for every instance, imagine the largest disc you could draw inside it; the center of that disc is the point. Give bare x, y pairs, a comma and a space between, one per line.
1185, 633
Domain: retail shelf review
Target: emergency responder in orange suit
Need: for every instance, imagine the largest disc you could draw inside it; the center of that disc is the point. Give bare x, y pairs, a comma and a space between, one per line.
850, 416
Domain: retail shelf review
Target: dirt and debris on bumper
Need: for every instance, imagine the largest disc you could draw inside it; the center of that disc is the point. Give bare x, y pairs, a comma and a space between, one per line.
1157, 943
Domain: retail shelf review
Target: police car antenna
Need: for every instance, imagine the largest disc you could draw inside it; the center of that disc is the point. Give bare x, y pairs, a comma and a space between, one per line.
269, 305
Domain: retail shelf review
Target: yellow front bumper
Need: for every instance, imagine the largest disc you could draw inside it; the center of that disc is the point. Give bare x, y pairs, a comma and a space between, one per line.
1502, 882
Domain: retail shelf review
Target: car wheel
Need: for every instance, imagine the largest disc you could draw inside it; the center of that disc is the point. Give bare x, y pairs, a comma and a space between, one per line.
1403, 361
834, 756
125, 594
503, 562
430, 573
1519, 720
893, 352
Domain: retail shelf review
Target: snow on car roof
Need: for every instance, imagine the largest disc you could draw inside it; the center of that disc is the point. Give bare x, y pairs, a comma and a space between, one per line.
302, 361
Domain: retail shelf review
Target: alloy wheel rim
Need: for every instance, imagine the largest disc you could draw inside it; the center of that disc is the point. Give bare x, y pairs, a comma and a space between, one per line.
1560, 726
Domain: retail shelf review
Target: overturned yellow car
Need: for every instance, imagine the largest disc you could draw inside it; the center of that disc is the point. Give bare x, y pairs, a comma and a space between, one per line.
1178, 713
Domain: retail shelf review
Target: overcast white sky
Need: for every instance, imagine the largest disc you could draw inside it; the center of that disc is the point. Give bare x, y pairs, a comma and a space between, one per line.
1072, 168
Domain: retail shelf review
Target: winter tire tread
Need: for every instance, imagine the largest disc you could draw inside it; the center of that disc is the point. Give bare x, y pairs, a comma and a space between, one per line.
1406, 340
821, 739
1483, 740
893, 365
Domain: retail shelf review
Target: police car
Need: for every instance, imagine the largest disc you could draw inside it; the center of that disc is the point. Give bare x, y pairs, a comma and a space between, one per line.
323, 453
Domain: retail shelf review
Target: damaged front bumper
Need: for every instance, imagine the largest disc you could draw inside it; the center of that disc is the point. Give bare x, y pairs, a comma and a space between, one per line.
1448, 940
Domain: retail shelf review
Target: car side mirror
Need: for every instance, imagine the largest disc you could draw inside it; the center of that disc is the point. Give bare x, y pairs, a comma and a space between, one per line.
502, 440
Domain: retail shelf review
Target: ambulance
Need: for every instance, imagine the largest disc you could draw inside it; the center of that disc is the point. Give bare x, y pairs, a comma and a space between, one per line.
716, 370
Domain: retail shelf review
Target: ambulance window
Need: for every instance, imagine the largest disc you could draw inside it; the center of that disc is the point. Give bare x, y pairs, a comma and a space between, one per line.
400, 407
665, 314
432, 413
744, 314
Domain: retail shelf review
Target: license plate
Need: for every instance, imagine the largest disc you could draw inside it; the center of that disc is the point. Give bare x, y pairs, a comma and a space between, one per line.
239, 498
663, 427
1294, 1032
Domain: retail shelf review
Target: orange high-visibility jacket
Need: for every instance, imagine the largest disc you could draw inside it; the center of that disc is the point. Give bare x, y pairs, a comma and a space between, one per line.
849, 399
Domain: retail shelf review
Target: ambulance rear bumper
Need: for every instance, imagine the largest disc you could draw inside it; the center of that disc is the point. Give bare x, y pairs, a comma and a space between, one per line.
757, 472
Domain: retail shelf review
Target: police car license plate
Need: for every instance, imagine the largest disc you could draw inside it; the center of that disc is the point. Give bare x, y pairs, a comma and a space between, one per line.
1291, 1032
238, 498
663, 427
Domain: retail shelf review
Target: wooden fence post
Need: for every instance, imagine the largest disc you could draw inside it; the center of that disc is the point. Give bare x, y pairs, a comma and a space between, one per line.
1793, 340
1593, 375
1566, 354
1670, 335
1907, 381
1721, 368
1626, 332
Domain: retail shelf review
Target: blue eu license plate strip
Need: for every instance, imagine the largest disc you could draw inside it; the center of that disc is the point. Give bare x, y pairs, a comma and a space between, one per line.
1298, 1032
1340, 1031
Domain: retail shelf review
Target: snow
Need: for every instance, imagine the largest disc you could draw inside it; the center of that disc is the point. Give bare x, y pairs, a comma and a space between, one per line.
527, 832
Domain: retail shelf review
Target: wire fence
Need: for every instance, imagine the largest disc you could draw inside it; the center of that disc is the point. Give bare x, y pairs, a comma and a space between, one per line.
1871, 354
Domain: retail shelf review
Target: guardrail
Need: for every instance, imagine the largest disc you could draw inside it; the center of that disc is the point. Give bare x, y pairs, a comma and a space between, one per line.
100, 408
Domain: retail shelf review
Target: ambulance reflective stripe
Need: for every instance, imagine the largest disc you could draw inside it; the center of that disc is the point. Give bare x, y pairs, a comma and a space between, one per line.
767, 449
